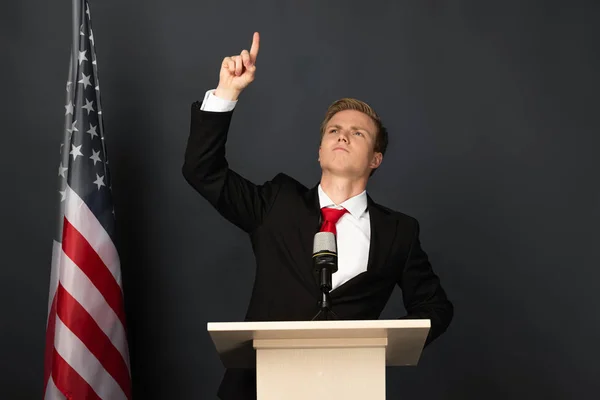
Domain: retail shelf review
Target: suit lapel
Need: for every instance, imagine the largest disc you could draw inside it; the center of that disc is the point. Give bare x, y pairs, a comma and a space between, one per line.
383, 231
309, 225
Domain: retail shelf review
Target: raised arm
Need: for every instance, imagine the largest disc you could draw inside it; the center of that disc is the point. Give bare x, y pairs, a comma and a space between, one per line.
205, 166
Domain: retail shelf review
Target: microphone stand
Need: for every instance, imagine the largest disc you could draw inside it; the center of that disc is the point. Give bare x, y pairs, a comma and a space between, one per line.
325, 313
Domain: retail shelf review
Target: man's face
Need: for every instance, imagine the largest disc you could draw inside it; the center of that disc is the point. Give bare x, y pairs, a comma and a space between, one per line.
347, 146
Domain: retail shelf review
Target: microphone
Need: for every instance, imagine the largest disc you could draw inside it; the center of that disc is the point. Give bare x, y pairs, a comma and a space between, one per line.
325, 258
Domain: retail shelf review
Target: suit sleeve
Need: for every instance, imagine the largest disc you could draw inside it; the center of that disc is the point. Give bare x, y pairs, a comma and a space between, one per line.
423, 295
206, 169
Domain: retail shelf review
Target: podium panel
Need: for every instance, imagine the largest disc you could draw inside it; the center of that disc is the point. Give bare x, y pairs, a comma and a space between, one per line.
350, 369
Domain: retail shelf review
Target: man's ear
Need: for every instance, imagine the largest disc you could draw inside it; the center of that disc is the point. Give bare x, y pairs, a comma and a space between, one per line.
376, 160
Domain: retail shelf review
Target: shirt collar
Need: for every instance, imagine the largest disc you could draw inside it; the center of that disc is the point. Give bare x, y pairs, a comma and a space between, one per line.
355, 205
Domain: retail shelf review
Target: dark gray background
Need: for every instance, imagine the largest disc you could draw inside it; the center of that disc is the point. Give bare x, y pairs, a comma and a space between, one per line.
492, 109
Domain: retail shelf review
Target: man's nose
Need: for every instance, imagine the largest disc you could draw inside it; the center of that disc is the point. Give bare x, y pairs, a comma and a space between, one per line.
342, 138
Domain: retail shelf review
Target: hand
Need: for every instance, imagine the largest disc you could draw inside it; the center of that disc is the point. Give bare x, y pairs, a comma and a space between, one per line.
237, 72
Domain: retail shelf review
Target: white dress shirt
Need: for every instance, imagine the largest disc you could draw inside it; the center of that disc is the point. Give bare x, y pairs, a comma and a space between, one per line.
353, 236
353, 228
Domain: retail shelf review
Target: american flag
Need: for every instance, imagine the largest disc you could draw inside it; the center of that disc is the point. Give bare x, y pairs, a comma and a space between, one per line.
86, 355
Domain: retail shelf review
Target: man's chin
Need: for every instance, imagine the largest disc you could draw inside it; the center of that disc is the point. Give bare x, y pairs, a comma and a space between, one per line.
342, 171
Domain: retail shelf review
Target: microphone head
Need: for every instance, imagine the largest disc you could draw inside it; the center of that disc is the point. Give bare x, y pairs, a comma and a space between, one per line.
324, 241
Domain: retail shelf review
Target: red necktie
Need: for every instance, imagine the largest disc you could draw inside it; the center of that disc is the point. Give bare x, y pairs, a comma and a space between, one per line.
330, 218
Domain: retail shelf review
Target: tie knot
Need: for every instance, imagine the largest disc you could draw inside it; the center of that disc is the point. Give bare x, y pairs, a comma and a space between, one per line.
330, 217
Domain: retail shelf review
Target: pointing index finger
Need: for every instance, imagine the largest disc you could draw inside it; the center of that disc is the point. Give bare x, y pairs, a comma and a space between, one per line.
255, 45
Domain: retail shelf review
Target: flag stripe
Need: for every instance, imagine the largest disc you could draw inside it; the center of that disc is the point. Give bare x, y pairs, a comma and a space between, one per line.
50, 330
74, 352
85, 293
56, 254
81, 253
84, 220
52, 392
69, 382
85, 328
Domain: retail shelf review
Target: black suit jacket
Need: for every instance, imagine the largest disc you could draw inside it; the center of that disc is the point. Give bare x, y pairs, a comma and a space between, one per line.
281, 217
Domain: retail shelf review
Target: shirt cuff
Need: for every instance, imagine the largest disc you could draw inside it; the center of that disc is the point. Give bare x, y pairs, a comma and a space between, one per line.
216, 104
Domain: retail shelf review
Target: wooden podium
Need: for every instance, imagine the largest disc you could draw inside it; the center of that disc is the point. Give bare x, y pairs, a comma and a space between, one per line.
320, 359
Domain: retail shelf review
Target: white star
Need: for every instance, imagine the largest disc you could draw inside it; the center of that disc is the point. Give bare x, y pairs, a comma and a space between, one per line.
62, 170
63, 195
91, 36
88, 106
94, 62
87, 10
99, 181
95, 156
85, 80
69, 108
82, 56
75, 151
73, 128
97, 84
68, 84
92, 131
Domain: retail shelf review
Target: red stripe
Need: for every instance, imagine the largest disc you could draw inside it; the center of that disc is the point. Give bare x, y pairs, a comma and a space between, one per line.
49, 350
69, 382
79, 321
77, 248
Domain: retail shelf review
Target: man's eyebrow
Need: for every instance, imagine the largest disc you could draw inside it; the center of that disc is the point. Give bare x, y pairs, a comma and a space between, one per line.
356, 128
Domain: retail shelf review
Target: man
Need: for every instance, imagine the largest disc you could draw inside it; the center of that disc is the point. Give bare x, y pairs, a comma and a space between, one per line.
377, 248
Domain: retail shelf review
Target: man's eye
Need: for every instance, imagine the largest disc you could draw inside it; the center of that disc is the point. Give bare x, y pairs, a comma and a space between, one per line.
358, 133
333, 131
